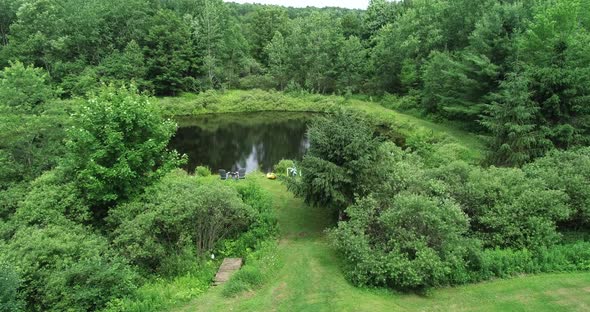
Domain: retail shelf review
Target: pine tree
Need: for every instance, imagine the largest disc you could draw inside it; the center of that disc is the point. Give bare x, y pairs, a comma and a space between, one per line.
278, 63
512, 117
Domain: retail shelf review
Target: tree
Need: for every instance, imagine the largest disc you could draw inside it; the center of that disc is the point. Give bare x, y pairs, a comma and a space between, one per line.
125, 66
414, 35
457, 86
234, 55
379, 13
209, 28
35, 37
352, 24
262, 26
351, 65
278, 60
31, 124
167, 48
516, 136
494, 35
24, 88
8, 10
314, 44
117, 146
340, 163
555, 53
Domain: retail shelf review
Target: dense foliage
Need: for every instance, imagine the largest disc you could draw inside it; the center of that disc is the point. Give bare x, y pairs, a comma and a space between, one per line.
340, 161
93, 215
180, 213
117, 146
417, 224
506, 68
67, 267
9, 284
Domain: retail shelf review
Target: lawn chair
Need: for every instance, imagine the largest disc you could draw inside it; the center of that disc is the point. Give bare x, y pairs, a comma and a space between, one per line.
223, 174
242, 173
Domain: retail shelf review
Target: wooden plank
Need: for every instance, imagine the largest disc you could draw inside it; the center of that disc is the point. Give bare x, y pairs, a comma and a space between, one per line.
228, 267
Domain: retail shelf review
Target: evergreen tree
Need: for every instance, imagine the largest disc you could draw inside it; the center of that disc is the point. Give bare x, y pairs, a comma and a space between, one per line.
261, 28
278, 62
516, 137
209, 29
168, 51
125, 66
351, 65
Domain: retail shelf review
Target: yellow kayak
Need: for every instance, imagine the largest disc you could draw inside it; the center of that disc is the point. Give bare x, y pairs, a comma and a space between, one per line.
271, 176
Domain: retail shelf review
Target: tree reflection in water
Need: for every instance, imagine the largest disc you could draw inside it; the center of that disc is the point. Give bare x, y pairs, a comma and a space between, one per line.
248, 140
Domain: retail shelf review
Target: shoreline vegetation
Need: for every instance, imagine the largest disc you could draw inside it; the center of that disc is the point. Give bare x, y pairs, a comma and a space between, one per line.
399, 125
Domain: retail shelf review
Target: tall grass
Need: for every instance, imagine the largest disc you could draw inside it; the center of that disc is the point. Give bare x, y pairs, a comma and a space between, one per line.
259, 268
161, 293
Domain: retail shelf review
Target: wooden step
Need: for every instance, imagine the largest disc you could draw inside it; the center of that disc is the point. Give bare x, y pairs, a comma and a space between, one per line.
228, 267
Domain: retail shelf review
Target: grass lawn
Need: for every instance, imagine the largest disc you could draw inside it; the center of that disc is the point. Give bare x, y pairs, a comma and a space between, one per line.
312, 279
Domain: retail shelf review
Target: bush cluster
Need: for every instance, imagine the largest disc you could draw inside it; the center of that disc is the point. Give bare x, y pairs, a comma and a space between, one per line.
67, 267
182, 213
10, 300
411, 224
83, 231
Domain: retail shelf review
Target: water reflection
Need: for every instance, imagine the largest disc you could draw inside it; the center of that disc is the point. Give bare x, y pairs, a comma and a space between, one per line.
251, 141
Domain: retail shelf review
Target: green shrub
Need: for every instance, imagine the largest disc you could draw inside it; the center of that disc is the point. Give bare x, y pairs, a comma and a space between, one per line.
177, 213
502, 263
9, 284
179, 263
161, 294
510, 210
250, 275
281, 168
264, 82
410, 241
51, 201
24, 88
117, 147
68, 268
567, 171
263, 227
247, 278
507, 208
260, 266
202, 171
11, 196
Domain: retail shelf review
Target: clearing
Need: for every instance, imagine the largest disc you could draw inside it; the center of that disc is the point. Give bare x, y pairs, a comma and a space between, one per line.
312, 279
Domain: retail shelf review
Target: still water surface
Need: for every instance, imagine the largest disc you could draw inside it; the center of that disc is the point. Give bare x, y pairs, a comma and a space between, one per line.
251, 141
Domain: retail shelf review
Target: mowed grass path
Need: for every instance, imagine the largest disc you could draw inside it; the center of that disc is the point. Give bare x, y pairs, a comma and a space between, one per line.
311, 279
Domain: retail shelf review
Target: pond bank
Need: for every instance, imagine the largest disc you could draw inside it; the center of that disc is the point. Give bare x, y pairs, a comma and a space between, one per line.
412, 129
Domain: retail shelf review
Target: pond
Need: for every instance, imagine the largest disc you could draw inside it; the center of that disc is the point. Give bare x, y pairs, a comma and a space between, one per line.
253, 141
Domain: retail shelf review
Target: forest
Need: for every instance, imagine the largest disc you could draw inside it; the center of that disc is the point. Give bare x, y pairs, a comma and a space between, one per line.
95, 214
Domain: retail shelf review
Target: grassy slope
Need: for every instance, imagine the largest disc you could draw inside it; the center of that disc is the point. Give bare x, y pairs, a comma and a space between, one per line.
312, 279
